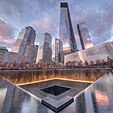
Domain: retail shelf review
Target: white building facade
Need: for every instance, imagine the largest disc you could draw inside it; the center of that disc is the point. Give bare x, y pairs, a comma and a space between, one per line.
99, 52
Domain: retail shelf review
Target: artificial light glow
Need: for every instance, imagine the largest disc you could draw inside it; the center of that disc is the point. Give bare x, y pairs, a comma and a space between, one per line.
54, 79
102, 98
88, 44
66, 49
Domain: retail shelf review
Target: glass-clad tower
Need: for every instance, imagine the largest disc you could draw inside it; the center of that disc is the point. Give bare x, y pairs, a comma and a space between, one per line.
24, 46
44, 55
25, 37
85, 38
58, 48
66, 34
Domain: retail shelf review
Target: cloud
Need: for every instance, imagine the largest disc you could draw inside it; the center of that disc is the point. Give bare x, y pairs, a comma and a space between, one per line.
99, 22
44, 16
7, 32
25, 12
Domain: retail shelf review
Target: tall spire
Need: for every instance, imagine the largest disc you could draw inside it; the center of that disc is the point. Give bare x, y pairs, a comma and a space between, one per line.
66, 33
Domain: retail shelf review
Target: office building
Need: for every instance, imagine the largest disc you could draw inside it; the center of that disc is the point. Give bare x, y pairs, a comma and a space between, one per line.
85, 38
23, 49
58, 49
44, 55
66, 34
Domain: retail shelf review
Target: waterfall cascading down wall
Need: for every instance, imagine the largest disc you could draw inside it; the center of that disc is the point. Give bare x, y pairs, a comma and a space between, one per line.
30, 76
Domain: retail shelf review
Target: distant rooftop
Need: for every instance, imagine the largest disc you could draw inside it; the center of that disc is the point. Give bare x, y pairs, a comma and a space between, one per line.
63, 4
47, 34
3, 48
29, 27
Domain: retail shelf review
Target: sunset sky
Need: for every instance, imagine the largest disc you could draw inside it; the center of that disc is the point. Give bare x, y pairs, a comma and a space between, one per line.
44, 16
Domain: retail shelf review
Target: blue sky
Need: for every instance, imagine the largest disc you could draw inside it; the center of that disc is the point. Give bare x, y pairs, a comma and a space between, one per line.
44, 16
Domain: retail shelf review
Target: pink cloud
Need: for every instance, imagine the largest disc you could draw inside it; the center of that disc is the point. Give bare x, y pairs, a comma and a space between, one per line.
6, 34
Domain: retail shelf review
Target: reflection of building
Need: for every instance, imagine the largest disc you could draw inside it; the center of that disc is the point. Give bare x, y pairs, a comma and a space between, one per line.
102, 98
44, 55
66, 34
58, 48
84, 36
23, 49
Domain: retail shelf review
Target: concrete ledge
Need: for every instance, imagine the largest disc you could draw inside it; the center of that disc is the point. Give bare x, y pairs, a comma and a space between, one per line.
57, 105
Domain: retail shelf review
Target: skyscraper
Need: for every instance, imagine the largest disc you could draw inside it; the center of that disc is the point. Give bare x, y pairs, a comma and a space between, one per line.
85, 38
66, 34
58, 48
44, 55
24, 46
25, 37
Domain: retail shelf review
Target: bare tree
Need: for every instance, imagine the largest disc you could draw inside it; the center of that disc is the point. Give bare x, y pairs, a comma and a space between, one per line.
92, 63
86, 63
98, 62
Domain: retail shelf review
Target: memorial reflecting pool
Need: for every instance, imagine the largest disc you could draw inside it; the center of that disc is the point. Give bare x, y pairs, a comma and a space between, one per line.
75, 97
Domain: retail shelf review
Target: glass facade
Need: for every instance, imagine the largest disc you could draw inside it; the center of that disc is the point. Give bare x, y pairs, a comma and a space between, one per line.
44, 54
24, 46
16, 45
48, 39
58, 49
85, 38
66, 34
26, 36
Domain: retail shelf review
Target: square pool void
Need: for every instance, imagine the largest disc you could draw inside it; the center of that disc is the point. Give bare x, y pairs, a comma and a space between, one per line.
56, 94
55, 90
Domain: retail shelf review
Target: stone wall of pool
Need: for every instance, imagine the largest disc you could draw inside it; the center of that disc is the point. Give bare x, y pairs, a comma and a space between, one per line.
20, 77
